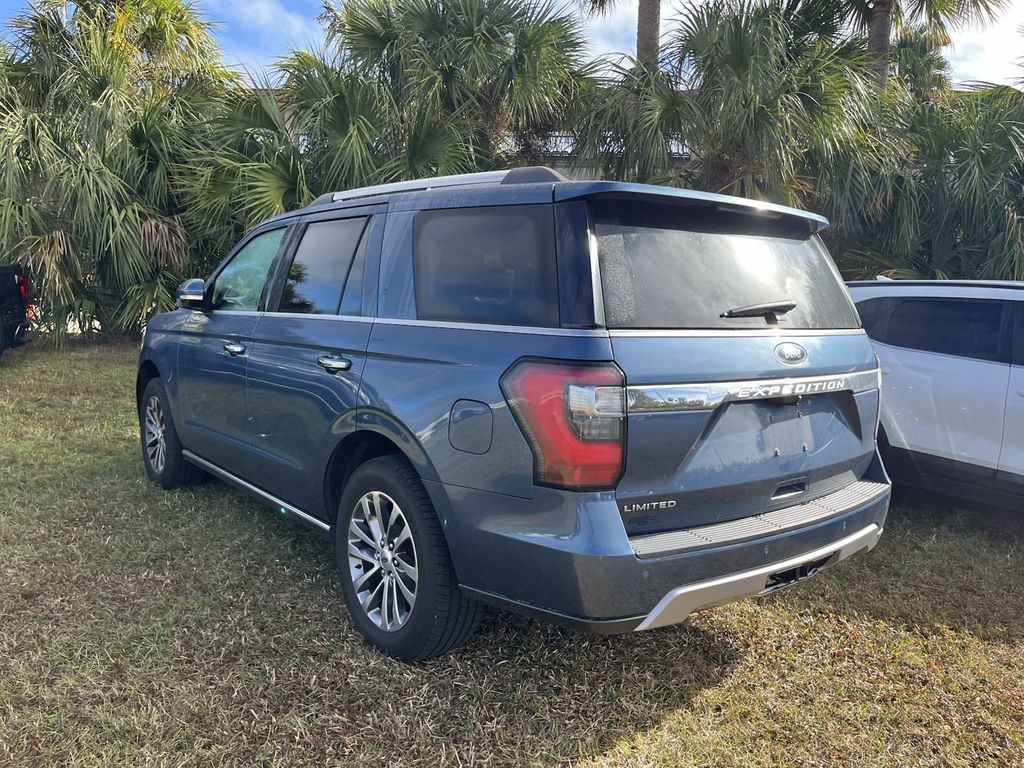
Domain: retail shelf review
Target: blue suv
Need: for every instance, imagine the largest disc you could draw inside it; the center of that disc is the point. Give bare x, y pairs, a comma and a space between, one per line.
604, 404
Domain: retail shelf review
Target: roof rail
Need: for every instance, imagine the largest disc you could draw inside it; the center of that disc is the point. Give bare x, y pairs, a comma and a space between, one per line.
512, 176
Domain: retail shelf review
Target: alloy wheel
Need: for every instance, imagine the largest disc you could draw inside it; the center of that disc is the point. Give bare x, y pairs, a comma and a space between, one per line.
156, 441
382, 560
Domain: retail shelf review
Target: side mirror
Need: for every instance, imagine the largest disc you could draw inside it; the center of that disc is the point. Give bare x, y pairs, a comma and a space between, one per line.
192, 294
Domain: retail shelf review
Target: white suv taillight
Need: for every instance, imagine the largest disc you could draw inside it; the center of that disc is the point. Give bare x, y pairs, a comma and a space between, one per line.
573, 416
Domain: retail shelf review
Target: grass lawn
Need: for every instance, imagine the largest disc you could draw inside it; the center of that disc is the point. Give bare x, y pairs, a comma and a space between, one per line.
139, 627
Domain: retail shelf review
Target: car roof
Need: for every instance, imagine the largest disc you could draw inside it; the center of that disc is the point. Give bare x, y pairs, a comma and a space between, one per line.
534, 185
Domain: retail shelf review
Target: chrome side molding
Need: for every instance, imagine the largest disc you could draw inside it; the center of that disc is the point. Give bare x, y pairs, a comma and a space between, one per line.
656, 398
238, 482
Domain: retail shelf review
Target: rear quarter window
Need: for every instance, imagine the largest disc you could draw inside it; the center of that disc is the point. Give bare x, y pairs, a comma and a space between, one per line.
673, 267
493, 265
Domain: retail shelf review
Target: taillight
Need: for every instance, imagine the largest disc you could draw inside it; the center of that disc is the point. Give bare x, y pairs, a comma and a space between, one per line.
573, 416
23, 289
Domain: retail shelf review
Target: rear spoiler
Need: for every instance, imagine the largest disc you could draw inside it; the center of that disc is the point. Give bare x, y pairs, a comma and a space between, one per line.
809, 223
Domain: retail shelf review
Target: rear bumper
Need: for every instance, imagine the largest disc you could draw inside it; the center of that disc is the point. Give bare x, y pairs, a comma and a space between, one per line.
574, 565
678, 604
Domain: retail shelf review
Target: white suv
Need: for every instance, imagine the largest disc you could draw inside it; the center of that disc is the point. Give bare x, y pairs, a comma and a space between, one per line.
952, 356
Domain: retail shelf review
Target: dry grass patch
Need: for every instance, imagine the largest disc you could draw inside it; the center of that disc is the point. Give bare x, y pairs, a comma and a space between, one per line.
199, 628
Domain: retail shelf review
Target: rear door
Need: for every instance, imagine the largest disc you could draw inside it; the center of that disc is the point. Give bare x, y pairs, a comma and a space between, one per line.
1011, 461
730, 416
308, 355
945, 373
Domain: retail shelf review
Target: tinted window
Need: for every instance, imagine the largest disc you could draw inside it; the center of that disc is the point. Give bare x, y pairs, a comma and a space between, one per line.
487, 265
950, 327
676, 267
240, 284
321, 265
873, 314
352, 299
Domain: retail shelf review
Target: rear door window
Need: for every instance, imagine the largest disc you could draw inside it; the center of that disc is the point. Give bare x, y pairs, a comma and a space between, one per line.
492, 265
319, 271
675, 267
959, 327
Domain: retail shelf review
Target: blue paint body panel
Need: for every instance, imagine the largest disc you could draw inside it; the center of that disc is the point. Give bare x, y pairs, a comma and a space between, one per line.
276, 418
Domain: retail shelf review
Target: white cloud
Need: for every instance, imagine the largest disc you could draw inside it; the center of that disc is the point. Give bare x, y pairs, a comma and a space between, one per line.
615, 31
991, 52
254, 33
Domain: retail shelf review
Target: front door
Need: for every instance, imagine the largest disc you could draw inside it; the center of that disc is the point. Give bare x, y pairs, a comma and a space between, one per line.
307, 358
214, 352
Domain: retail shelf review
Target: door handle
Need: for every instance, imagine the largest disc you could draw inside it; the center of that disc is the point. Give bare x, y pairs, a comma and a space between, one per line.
1021, 393
333, 364
887, 371
234, 349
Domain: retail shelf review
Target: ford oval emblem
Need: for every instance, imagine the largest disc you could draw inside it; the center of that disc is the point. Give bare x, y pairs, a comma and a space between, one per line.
790, 353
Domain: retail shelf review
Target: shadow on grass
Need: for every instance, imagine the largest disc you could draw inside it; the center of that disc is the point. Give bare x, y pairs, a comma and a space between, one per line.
521, 692
940, 563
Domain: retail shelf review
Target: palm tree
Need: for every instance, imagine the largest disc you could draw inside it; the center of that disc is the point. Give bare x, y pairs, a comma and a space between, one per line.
918, 62
754, 99
98, 98
648, 27
940, 16
405, 89
512, 69
954, 206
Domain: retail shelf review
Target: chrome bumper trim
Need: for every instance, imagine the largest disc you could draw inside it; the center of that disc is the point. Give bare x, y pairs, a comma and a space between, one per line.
856, 494
658, 398
226, 476
678, 604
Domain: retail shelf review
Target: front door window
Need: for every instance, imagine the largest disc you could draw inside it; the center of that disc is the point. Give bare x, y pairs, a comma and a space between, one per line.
240, 284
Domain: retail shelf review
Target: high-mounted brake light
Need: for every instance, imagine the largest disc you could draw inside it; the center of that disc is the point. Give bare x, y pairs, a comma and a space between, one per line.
573, 416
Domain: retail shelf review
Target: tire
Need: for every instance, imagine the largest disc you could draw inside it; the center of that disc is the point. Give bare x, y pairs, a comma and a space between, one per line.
3, 337
440, 618
169, 468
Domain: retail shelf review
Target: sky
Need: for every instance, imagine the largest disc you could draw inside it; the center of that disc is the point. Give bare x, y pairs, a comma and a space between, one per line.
253, 33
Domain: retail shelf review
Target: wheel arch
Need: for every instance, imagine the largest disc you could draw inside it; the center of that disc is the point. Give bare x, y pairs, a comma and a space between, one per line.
376, 434
147, 372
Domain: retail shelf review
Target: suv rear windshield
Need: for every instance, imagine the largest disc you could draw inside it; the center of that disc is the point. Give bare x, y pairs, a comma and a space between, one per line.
681, 267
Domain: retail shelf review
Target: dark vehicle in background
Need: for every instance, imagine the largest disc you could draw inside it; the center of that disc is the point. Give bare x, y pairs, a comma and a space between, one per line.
14, 302
604, 404
952, 357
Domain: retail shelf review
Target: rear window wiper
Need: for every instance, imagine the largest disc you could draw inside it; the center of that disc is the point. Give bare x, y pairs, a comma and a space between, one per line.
769, 310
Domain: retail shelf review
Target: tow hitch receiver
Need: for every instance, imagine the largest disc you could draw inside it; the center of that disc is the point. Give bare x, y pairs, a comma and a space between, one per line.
791, 576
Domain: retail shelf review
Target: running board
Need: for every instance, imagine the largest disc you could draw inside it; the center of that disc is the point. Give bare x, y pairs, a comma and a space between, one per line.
259, 493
